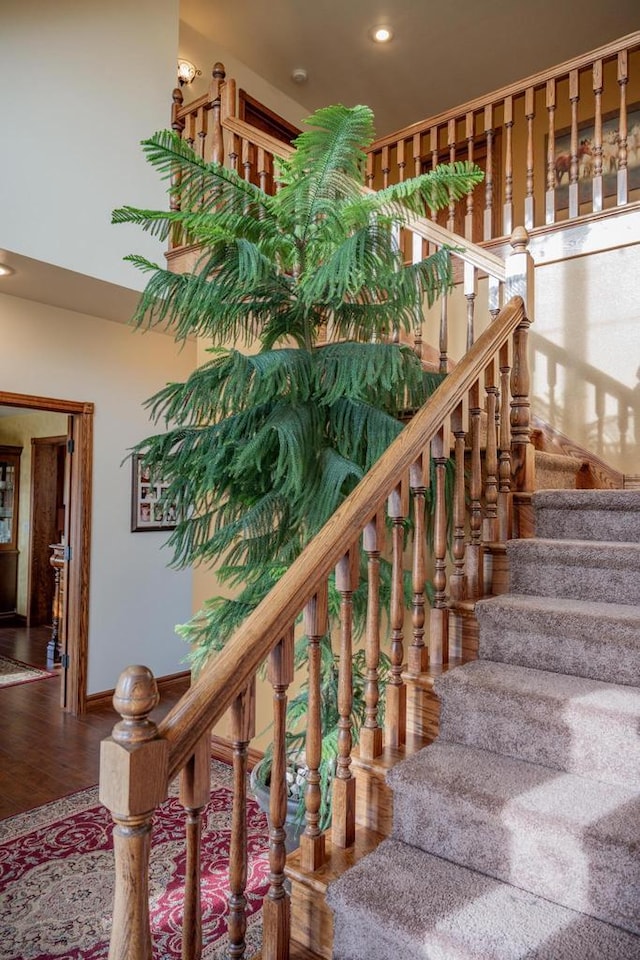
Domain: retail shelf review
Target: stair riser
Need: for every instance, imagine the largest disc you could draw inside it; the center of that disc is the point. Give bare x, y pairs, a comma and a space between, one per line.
514, 846
560, 524
610, 654
603, 746
556, 578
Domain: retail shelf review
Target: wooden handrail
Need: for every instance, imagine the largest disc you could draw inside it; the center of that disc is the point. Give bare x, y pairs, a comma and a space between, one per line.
257, 137
493, 96
222, 681
466, 250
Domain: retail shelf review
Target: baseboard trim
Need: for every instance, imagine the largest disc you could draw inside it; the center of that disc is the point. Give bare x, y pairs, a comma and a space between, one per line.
222, 749
104, 697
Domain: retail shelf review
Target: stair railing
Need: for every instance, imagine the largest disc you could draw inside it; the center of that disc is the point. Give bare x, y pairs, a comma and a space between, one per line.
140, 760
564, 139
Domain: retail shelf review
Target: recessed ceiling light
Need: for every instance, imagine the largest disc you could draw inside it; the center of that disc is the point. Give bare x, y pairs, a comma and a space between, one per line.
6, 270
381, 34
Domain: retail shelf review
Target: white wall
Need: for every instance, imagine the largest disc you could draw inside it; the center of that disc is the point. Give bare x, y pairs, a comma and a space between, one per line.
135, 601
199, 50
83, 82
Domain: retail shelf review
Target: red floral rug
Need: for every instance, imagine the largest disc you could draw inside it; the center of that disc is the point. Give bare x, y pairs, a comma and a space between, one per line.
56, 877
15, 671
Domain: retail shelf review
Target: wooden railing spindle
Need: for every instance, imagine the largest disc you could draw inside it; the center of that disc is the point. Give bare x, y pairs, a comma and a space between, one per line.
418, 659
504, 461
417, 155
217, 144
443, 366
507, 214
451, 143
195, 789
550, 195
316, 625
490, 532
396, 709
439, 633
276, 905
343, 824
470, 293
622, 173
597, 197
433, 144
371, 732
243, 730
487, 232
474, 553
574, 97
469, 132
529, 200
457, 579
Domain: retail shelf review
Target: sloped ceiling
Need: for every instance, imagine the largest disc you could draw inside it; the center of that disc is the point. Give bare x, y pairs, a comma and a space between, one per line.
441, 55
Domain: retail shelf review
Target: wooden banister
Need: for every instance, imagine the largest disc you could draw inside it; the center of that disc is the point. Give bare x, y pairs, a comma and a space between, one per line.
221, 681
539, 79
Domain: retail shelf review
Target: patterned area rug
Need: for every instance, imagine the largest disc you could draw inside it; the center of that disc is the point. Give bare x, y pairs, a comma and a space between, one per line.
56, 877
14, 671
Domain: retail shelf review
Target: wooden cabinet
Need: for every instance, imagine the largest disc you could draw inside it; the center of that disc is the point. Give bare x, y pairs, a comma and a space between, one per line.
9, 502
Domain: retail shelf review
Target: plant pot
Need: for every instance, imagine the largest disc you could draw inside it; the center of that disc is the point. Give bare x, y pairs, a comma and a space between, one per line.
293, 825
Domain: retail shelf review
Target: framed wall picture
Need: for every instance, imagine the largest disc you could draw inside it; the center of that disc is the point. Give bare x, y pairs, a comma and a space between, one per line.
150, 509
586, 138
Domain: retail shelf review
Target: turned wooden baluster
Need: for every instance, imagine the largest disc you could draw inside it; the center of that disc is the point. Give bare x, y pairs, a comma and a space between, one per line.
343, 821
370, 175
457, 580
276, 905
574, 97
504, 460
195, 789
597, 194
469, 133
177, 125
417, 154
494, 296
228, 109
189, 134
474, 554
133, 782
243, 730
400, 156
418, 659
312, 844
622, 175
417, 244
550, 195
490, 524
443, 365
265, 171
202, 121
439, 632
215, 92
507, 213
247, 158
396, 706
529, 200
470, 293
385, 167
371, 732
519, 268
487, 233
433, 144
451, 143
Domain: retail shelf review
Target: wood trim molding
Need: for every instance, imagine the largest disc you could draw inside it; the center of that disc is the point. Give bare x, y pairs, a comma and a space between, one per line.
263, 140
74, 690
104, 697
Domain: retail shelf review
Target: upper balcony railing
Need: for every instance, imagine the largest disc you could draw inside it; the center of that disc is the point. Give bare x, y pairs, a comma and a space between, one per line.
560, 144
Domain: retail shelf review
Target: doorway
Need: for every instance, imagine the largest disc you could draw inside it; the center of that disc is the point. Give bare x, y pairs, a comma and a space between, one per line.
78, 451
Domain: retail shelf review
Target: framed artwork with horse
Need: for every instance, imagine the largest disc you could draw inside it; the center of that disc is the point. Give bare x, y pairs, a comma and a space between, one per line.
586, 156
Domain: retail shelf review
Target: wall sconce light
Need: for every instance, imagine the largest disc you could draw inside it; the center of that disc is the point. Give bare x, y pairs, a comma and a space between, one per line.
187, 72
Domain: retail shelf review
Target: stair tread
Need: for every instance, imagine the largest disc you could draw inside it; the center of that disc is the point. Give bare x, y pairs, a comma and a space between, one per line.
459, 914
586, 610
588, 499
489, 780
578, 552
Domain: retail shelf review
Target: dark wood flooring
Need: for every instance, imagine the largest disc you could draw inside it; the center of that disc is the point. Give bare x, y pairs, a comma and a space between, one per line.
45, 753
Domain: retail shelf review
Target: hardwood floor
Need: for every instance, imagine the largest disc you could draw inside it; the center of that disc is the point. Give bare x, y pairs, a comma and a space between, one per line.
44, 752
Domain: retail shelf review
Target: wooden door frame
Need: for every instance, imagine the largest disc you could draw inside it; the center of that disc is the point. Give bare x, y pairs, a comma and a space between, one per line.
57, 441
77, 582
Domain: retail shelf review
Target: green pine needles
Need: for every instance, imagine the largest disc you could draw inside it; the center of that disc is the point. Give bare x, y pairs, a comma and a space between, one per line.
265, 440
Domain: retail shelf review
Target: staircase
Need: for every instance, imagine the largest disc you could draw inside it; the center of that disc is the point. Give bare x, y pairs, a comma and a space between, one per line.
516, 833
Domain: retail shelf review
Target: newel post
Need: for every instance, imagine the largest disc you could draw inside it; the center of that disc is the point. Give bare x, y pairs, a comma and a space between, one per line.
215, 93
520, 282
133, 782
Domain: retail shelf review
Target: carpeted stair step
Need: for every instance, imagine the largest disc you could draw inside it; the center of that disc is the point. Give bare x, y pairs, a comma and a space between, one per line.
598, 570
580, 637
569, 723
401, 903
556, 471
571, 840
588, 515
